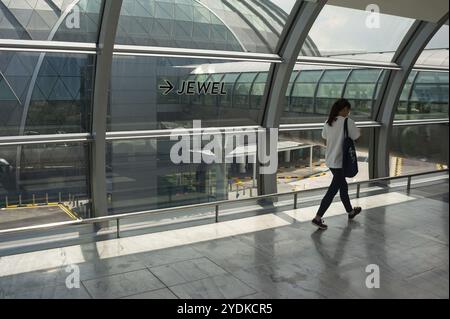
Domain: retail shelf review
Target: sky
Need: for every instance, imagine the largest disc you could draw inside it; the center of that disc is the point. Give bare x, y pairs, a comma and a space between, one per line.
286, 5
342, 30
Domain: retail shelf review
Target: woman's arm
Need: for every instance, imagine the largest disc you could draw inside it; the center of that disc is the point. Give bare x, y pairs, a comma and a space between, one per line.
353, 132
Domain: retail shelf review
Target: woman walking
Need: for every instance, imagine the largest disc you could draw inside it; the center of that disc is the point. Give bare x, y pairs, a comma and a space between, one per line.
333, 132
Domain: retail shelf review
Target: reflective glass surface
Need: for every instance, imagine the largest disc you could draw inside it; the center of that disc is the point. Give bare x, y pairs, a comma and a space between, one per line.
45, 93
360, 90
71, 21
301, 159
314, 90
141, 175
231, 25
416, 149
138, 99
345, 33
424, 96
41, 173
436, 52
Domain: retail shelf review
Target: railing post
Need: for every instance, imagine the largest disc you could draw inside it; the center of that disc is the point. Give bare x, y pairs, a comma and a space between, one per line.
217, 213
295, 200
118, 228
408, 187
358, 190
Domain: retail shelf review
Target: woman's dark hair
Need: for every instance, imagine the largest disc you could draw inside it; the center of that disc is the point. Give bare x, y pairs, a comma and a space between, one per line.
337, 107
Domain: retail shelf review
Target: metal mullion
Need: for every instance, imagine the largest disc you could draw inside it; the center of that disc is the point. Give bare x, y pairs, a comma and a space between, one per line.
430, 68
408, 101
107, 34
167, 133
217, 98
346, 63
47, 46
251, 89
344, 87
292, 89
289, 46
316, 91
195, 53
319, 126
374, 95
420, 122
41, 139
234, 89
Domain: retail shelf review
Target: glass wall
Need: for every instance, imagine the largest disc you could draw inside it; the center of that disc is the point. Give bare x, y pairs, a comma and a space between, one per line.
302, 92
231, 25
142, 174
420, 148
45, 173
424, 96
76, 21
331, 88
219, 94
360, 90
45, 93
51, 94
301, 158
314, 89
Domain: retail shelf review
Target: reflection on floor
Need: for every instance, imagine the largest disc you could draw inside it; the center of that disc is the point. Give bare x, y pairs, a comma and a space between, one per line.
278, 255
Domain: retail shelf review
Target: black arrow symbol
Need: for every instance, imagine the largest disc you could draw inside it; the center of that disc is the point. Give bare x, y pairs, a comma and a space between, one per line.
168, 87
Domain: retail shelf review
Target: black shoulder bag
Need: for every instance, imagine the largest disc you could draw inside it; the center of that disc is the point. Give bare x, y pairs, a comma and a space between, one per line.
350, 160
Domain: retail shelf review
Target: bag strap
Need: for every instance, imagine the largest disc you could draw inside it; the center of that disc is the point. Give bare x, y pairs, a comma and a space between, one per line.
346, 128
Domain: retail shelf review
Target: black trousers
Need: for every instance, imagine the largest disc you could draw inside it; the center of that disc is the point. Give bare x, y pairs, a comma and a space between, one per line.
337, 184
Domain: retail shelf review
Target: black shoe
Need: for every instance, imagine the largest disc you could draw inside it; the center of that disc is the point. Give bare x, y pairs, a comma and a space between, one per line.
355, 212
319, 224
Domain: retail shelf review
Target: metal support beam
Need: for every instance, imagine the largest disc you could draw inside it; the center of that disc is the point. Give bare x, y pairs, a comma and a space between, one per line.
107, 35
406, 56
291, 42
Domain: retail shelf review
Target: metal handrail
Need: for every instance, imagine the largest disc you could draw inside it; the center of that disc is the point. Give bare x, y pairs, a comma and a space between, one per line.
216, 205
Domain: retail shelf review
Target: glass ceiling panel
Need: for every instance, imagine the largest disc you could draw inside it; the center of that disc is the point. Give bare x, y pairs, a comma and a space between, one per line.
436, 52
231, 25
344, 33
63, 20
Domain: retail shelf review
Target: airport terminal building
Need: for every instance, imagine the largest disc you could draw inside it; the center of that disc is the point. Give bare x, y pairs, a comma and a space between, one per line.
92, 93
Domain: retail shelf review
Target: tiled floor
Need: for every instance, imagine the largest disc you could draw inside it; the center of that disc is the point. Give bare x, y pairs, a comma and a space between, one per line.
278, 255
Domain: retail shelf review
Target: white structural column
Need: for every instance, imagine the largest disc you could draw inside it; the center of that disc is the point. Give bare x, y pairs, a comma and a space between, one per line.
406, 56
291, 42
107, 35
